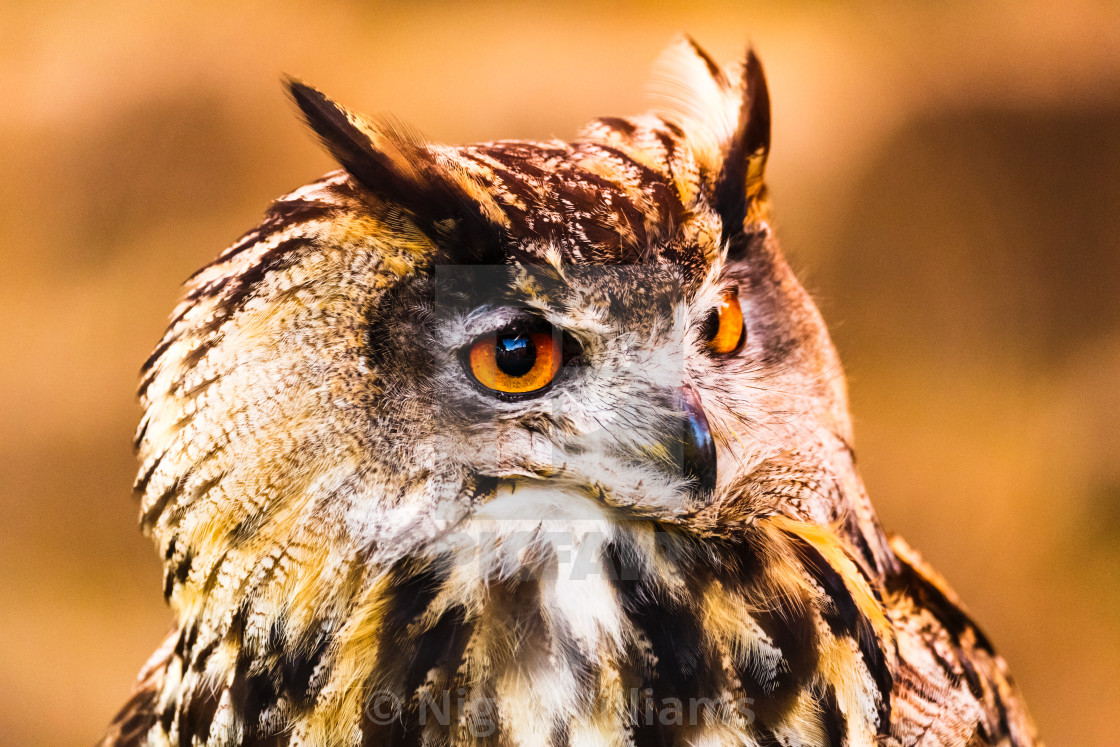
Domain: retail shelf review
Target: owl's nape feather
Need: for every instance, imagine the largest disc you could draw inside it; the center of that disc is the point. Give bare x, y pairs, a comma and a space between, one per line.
366, 544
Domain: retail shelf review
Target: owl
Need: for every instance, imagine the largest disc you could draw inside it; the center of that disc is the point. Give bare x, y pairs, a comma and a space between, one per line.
532, 443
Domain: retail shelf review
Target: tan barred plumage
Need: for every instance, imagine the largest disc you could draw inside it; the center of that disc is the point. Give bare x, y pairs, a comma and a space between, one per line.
364, 546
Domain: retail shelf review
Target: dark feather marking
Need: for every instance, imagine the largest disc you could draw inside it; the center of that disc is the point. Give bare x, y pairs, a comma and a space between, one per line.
440, 647
392, 175
168, 584
674, 128
743, 246
835, 724
136, 717
1001, 709
193, 391
618, 124
140, 433
970, 675
197, 715
250, 238
167, 718
713, 68
796, 637
198, 661
197, 712
668, 143
141, 485
413, 589
183, 567
297, 666
243, 285
621, 560
856, 536
195, 356
406, 655
176, 487
520, 160
189, 641
146, 367
282, 215
846, 619
560, 735
511, 174
237, 279
581, 196
683, 669
649, 178
240, 287
251, 693
791, 630
957, 622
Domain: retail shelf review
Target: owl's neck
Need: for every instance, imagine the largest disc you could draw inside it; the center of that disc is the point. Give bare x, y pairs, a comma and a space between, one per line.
578, 625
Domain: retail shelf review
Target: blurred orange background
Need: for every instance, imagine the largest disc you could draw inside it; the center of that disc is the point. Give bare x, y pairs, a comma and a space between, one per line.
946, 179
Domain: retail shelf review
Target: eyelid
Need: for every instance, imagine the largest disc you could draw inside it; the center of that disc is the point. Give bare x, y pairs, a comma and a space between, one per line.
492, 320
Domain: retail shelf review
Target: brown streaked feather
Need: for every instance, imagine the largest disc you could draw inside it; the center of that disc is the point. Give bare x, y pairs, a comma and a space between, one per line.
953, 688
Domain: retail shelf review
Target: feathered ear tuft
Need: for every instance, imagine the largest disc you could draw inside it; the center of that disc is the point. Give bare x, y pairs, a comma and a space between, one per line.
725, 116
741, 181
398, 167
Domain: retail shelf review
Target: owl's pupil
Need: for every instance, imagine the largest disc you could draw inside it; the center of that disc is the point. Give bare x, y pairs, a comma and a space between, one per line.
515, 354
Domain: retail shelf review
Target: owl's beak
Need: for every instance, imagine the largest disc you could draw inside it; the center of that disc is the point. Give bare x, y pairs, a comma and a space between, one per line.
698, 451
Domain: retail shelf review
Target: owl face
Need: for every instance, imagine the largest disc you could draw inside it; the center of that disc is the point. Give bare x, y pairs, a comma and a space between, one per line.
623, 382
433, 362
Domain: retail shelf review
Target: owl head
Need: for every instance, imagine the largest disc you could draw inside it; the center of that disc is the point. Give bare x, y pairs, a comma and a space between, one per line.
448, 350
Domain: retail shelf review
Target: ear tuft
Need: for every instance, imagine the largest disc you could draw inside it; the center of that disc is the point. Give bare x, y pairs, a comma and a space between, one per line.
725, 116
693, 92
398, 167
378, 157
741, 180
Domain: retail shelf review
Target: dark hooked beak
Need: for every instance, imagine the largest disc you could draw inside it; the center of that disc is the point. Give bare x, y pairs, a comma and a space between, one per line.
698, 451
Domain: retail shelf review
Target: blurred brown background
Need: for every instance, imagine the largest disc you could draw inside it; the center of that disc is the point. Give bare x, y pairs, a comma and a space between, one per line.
947, 180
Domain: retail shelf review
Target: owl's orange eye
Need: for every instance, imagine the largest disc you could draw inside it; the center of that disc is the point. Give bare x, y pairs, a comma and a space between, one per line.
724, 329
516, 361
